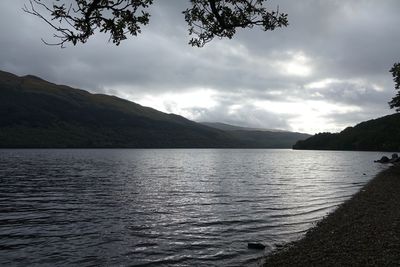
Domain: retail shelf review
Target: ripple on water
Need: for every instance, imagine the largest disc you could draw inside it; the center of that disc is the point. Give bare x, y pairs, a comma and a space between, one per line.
166, 207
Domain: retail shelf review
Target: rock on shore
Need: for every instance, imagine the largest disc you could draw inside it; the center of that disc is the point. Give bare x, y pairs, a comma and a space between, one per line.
395, 158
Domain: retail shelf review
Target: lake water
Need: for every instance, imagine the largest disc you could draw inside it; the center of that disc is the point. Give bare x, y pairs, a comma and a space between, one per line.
183, 207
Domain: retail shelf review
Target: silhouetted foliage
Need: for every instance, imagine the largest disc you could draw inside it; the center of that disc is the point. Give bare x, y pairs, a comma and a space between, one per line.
395, 70
210, 18
76, 20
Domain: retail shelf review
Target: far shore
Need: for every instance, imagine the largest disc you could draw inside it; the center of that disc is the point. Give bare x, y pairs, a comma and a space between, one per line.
364, 231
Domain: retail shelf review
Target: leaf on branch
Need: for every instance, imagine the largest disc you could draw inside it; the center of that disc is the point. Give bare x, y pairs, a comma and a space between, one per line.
78, 21
207, 19
395, 102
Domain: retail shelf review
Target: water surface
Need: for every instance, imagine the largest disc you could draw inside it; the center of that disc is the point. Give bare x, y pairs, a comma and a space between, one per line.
163, 207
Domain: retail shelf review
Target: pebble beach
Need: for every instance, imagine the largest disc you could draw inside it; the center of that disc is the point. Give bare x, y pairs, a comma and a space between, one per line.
364, 231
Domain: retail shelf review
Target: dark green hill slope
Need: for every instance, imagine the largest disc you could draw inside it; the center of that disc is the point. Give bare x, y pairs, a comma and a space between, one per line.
382, 134
229, 127
36, 113
261, 137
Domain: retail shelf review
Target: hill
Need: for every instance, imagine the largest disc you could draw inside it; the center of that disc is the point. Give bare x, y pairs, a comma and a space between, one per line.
37, 113
229, 127
260, 137
382, 134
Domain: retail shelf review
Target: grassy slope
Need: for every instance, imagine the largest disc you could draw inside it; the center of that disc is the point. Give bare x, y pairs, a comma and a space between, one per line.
36, 113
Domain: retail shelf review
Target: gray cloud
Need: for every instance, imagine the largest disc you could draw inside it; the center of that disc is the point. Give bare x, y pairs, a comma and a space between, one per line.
353, 43
246, 115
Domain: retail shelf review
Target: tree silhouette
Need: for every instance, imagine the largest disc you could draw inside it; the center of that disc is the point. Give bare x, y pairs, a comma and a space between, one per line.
76, 20
395, 70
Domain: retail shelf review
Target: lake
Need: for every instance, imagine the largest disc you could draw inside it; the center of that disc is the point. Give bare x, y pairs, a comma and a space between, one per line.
166, 207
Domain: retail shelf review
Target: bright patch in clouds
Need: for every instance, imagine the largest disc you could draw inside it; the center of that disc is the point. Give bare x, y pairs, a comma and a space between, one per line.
321, 83
359, 83
309, 116
298, 65
181, 103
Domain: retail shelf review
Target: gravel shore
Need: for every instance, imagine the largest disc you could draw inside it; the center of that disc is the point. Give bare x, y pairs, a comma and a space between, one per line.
364, 231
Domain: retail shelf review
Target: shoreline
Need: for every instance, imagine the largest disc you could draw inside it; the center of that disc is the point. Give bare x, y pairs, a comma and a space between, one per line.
363, 231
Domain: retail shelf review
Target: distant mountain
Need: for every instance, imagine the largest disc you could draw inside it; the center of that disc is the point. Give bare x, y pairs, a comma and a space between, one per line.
260, 137
229, 127
37, 113
382, 134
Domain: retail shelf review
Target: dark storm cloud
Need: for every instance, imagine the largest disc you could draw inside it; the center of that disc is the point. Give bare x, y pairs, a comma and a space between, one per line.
353, 43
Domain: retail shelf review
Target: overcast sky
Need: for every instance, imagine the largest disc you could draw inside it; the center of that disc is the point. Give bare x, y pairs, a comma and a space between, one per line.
327, 70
